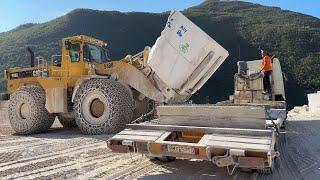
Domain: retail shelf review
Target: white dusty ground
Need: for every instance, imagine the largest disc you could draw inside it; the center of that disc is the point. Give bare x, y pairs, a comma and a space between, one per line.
67, 154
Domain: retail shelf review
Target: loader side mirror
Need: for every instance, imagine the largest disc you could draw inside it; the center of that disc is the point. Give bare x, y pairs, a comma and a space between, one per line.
68, 45
56, 60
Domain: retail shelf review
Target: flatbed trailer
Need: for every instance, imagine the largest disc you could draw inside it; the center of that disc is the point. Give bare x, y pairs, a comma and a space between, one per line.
173, 136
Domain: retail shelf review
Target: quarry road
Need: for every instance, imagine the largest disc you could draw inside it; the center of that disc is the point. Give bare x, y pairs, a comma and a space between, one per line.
67, 154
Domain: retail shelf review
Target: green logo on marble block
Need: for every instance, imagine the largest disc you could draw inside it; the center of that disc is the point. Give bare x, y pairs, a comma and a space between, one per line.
184, 47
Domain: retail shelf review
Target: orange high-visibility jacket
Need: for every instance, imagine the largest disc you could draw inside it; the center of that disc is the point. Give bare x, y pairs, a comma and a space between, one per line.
266, 64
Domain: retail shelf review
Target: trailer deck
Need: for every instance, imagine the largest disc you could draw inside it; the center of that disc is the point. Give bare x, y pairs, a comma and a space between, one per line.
178, 134
193, 142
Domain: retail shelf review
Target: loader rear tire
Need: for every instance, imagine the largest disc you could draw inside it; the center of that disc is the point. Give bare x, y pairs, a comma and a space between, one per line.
103, 106
27, 111
67, 122
4, 96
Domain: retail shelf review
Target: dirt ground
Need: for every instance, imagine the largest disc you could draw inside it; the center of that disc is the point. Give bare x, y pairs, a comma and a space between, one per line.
67, 154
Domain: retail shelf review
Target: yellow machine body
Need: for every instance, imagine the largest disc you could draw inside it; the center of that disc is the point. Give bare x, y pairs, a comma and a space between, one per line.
64, 76
60, 79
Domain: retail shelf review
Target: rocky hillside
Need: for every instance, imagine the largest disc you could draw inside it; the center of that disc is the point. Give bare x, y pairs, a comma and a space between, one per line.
240, 27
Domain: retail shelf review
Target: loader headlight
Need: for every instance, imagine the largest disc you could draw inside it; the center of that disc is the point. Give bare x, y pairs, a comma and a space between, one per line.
14, 75
108, 65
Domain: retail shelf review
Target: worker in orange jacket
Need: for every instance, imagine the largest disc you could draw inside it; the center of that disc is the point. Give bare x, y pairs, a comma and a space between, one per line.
266, 69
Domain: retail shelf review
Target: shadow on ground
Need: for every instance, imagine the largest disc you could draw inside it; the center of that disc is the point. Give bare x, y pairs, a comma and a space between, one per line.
300, 158
298, 144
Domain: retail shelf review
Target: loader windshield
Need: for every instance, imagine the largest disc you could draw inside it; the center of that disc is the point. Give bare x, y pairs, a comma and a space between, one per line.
94, 53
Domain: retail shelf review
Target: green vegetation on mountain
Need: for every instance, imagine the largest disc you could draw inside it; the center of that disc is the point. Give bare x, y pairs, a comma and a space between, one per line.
240, 27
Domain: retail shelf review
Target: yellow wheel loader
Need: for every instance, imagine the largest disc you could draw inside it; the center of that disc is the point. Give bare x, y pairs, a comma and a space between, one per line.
84, 88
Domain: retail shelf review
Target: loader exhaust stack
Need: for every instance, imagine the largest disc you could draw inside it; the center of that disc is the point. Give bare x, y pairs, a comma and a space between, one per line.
31, 56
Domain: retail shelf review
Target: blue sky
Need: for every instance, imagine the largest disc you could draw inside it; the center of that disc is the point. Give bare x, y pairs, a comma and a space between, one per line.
16, 12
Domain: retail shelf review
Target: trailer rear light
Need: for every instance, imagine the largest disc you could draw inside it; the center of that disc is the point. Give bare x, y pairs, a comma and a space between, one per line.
196, 151
164, 148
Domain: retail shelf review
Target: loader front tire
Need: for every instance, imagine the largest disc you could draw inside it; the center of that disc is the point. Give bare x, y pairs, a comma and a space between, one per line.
103, 106
27, 111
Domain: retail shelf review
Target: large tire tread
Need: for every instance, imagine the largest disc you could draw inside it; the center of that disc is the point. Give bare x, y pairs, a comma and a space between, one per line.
39, 119
120, 106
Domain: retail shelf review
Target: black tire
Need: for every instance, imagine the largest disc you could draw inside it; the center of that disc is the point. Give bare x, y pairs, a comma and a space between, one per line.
166, 158
27, 111
246, 170
152, 158
4, 96
102, 106
66, 121
283, 126
267, 170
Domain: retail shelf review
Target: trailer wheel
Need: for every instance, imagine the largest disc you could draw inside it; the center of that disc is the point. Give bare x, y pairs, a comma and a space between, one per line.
66, 121
267, 170
27, 111
166, 158
152, 158
102, 106
283, 126
247, 170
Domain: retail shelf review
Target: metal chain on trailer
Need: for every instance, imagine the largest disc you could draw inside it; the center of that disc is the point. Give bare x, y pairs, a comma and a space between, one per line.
144, 117
275, 126
233, 169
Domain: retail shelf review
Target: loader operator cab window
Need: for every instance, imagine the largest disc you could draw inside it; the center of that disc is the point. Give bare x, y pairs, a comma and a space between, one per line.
56, 60
74, 51
94, 53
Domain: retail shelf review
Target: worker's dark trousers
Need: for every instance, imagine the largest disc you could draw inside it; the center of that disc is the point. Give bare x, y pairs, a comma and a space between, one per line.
266, 81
